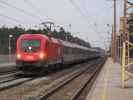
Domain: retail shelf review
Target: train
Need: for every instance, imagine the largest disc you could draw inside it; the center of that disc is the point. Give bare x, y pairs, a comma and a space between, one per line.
35, 51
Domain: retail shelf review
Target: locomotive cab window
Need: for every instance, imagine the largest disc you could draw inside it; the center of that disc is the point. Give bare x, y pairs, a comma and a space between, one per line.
30, 45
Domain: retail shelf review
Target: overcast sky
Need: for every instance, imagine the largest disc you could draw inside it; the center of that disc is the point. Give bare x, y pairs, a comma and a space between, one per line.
88, 18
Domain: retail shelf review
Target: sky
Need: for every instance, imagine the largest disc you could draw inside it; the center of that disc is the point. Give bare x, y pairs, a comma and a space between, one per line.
90, 20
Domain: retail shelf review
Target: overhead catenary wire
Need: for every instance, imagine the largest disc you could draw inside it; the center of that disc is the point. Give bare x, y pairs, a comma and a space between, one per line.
10, 18
84, 8
31, 4
77, 8
94, 28
21, 10
37, 10
34, 7
83, 15
86, 15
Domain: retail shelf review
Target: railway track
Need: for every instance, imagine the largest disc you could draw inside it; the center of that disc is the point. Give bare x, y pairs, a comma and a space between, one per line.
7, 68
81, 93
35, 88
63, 90
9, 77
8, 72
10, 80
14, 83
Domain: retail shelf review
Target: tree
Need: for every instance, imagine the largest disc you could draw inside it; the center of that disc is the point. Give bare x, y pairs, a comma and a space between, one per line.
18, 30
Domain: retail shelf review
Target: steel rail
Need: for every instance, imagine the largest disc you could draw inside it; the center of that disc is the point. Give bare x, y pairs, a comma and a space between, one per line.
88, 82
62, 84
11, 85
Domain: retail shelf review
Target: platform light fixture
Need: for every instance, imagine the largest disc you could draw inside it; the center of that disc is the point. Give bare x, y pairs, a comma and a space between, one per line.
9, 45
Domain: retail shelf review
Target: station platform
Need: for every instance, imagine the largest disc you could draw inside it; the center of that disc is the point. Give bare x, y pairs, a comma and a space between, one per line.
108, 84
7, 64
7, 59
5, 67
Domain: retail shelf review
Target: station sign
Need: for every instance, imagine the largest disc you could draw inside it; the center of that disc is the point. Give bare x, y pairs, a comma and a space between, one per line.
121, 25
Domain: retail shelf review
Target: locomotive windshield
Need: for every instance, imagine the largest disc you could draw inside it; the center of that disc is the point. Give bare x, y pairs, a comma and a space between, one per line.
30, 45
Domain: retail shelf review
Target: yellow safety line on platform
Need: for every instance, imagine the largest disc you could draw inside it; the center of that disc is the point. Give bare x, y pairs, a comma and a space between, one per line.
104, 93
123, 65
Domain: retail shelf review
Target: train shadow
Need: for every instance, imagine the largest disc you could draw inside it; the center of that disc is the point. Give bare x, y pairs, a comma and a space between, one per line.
49, 70
44, 71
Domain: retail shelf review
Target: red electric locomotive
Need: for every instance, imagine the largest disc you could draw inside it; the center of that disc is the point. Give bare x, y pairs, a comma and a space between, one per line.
37, 50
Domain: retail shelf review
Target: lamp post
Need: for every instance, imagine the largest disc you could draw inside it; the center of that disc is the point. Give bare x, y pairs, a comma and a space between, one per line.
9, 45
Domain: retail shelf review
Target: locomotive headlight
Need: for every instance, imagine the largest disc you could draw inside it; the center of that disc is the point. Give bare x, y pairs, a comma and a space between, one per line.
30, 47
18, 56
41, 55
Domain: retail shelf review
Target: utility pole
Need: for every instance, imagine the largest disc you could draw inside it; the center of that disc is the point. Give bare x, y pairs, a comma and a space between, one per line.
112, 42
125, 21
114, 34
